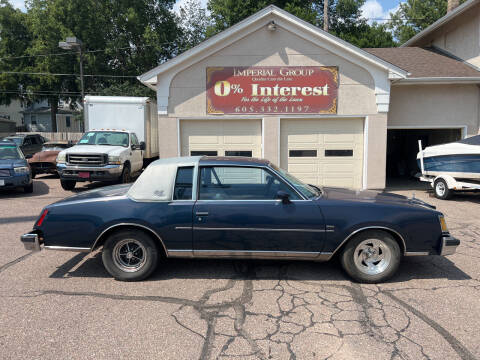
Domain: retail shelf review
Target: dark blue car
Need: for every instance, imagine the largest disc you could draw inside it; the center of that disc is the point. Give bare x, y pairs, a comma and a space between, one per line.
14, 169
240, 208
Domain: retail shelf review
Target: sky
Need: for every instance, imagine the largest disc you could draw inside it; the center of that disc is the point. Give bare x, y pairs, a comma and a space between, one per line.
371, 9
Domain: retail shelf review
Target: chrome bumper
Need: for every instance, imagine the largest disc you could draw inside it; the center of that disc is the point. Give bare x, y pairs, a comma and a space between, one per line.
449, 245
31, 242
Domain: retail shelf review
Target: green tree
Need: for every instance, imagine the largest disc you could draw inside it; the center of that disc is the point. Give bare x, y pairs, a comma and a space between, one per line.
345, 18
415, 15
193, 21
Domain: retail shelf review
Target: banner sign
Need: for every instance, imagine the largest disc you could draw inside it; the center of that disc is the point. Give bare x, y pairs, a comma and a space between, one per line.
272, 90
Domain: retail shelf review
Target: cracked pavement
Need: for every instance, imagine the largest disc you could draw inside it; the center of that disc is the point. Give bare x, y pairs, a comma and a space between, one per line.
64, 305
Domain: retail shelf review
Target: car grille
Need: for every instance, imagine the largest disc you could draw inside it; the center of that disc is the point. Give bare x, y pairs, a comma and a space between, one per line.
86, 159
4, 173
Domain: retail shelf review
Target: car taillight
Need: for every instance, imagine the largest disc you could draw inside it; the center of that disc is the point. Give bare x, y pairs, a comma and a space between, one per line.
42, 217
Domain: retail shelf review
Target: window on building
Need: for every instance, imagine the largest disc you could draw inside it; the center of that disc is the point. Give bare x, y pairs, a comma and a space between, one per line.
338, 152
67, 121
203, 153
302, 153
183, 184
33, 119
238, 153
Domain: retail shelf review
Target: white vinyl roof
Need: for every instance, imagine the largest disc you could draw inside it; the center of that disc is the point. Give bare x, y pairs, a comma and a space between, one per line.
157, 181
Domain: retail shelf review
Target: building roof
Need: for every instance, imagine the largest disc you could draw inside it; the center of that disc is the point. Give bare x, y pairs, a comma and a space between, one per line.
467, 5
425, 63
262, 18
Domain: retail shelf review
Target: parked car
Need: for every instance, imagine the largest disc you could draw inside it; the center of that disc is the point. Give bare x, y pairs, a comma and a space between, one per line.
221, 207
101, 155
29, 144
14, 169
45, 161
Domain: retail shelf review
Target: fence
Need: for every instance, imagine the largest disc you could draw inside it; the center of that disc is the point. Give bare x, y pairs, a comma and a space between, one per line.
54, 136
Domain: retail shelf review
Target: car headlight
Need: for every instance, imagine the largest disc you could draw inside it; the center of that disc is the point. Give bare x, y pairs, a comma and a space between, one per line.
114, 160
61, 158
22, 170
443, 224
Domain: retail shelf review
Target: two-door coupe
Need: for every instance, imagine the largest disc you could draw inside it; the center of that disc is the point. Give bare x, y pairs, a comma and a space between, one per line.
233, 207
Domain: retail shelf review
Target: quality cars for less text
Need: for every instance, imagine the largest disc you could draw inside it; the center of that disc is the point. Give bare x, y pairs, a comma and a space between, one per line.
220, 207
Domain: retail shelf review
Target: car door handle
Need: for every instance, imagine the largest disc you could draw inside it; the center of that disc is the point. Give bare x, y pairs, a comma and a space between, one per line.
201, 213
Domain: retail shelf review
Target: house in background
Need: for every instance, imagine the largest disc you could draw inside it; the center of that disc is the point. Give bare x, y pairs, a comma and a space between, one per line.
13, 112
38, 117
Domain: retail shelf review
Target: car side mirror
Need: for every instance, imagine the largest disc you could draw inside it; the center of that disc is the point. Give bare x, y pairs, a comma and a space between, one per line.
284, 196
142, 145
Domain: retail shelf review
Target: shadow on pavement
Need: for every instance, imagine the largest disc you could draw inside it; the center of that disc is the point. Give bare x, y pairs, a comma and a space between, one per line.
39, 188
423, 267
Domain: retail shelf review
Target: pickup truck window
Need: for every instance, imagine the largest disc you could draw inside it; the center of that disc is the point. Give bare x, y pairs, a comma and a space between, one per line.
134, 139
113, 138
241, 183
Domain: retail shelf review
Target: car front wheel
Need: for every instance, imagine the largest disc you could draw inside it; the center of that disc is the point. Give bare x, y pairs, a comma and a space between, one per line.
130, 255
371, 257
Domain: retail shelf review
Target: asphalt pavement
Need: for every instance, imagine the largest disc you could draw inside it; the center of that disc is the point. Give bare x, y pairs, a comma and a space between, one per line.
64, 305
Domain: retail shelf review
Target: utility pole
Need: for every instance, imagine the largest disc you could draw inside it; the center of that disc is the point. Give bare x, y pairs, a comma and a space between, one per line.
325, 15
76, 44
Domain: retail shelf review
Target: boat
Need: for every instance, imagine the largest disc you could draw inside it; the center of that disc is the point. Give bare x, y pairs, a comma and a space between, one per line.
460, 159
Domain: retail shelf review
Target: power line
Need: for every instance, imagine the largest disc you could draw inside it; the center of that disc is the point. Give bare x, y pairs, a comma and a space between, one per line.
57, 74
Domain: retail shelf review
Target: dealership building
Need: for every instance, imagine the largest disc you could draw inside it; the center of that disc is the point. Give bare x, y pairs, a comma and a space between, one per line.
277, 87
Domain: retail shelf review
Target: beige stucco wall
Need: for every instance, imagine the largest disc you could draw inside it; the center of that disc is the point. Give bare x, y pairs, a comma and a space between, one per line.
278, 48
461, 37
435, 105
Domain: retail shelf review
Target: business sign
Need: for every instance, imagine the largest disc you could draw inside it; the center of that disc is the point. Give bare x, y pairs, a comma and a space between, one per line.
272, 90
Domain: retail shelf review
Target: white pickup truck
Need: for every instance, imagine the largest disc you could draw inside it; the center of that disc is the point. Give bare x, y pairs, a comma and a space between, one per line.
122, 136
101, 155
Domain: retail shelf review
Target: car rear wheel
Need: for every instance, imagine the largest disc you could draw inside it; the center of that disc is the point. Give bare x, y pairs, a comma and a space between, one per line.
68, 184
130, 255
371, 257
441, 190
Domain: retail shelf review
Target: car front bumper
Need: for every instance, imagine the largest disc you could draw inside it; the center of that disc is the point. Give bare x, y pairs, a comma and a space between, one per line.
448, 245
98, 173
15, 181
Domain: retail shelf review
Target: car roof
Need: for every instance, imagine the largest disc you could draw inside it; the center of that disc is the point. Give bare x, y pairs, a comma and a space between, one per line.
233, 160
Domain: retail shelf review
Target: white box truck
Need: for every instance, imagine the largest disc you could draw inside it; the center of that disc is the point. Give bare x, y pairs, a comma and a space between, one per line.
121, 137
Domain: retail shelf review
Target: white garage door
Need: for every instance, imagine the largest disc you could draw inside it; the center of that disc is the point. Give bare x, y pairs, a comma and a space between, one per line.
324, 152
221, 137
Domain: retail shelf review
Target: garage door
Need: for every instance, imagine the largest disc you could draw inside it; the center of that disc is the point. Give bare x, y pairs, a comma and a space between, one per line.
324, 152
221, 137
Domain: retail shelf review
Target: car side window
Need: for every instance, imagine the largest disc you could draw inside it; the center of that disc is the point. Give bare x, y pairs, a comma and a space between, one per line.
183, 184
27, 141
241, 183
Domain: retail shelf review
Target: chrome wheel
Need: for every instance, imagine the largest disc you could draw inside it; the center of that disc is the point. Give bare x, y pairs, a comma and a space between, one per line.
440, 188
372, 256
129, 255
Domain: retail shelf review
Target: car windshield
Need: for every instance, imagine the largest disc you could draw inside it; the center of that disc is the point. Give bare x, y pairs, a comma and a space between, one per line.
309, 191
16, 140
113, 138
10, 152
54, 147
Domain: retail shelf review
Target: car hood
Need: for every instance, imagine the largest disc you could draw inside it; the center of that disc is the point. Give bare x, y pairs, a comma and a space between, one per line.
103, 193
10, 164
95, 149
44, 156
372, 196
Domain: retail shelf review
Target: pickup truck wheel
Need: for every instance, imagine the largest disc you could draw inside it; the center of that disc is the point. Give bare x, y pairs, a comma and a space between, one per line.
371, 257
125, 177
130, 255
68, 184
441, 190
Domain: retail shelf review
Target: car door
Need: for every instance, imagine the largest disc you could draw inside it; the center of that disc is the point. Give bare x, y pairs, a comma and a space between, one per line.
238, 213
137, 154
